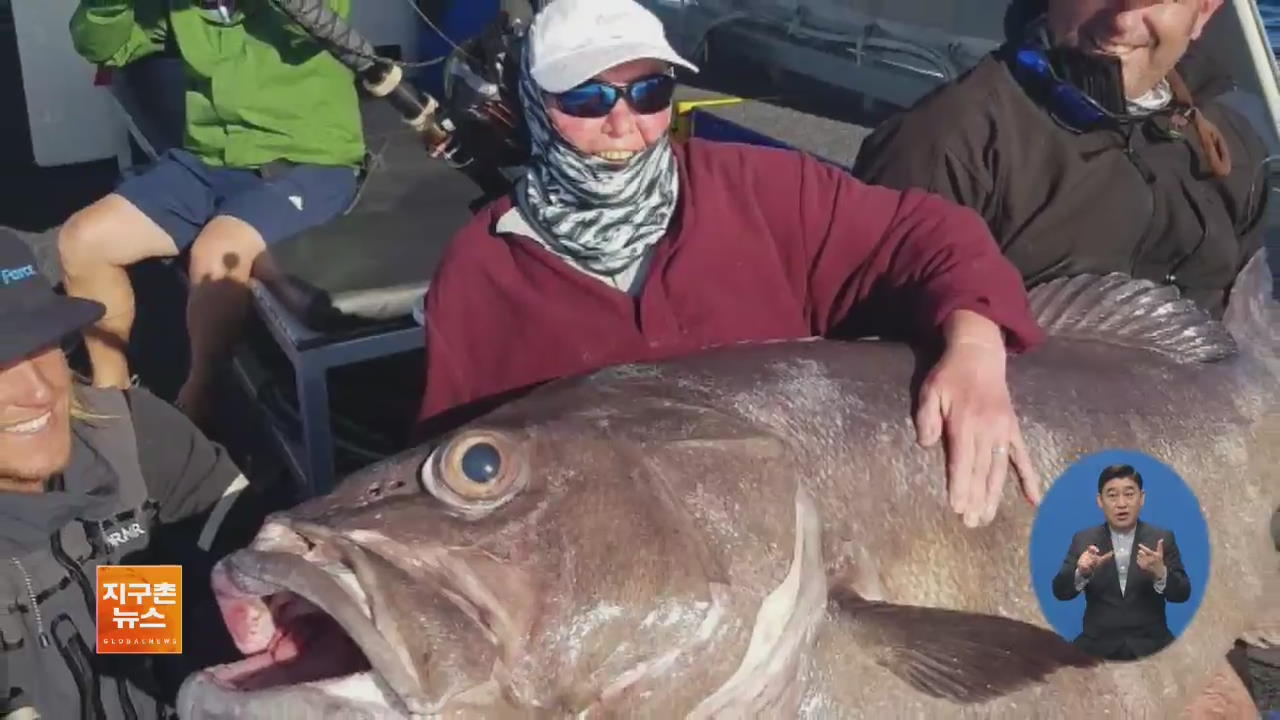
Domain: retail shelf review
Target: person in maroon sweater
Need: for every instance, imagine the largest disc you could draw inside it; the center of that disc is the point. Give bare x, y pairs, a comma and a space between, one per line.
619, 246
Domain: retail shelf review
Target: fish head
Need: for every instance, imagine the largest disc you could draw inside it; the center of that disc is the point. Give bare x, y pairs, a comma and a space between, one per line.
571, 551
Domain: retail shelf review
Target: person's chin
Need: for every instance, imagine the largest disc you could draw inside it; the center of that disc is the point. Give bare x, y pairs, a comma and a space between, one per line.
1140, 77
34, 462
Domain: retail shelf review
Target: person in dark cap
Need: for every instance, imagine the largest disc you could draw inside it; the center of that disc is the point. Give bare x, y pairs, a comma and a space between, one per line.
92, 477
1093, 141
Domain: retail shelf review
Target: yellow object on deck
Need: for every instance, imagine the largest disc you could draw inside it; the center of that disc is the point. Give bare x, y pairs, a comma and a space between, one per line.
682, 120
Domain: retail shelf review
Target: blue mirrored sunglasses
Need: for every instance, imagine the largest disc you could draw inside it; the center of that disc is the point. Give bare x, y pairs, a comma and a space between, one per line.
596, 98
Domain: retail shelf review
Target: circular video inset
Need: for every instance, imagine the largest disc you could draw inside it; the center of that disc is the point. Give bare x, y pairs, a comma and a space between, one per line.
1120, 555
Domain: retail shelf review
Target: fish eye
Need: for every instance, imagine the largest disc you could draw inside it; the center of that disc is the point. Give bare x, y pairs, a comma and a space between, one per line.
481, 463
477, 467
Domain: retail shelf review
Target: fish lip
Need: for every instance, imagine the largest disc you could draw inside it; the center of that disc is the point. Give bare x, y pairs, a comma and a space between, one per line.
252, 571
475, 597
202, 697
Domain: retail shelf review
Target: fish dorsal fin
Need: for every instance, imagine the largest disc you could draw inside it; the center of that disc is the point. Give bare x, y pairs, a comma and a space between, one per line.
1121, 310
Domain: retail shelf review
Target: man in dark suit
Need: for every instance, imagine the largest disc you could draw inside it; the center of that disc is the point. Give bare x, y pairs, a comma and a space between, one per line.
1128, 570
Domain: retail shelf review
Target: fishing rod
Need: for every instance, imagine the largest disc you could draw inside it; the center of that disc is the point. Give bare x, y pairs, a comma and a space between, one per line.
384, 78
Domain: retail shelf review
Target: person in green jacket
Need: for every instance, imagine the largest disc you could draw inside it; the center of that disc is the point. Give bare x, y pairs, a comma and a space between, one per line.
272, 147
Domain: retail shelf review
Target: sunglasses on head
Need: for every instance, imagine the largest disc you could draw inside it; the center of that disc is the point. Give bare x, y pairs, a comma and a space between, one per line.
1066, 102
596, 98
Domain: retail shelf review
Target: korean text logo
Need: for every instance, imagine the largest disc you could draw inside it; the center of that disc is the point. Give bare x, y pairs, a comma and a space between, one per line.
139, 609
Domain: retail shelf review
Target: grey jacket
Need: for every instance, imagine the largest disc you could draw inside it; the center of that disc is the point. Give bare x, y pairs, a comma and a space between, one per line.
143, 487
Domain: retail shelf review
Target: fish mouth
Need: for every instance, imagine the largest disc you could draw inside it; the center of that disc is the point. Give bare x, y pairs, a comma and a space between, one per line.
311, 641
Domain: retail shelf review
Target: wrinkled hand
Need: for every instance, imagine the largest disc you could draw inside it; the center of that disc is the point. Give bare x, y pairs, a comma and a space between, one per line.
1090, 560
965, 397
1152, 561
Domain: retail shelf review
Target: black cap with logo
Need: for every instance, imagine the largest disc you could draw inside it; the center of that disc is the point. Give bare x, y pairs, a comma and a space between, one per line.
32, 315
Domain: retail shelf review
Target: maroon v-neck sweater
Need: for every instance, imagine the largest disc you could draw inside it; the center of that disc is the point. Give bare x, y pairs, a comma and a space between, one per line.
766, 244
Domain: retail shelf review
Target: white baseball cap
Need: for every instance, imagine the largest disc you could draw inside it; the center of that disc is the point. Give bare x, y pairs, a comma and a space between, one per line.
572, 41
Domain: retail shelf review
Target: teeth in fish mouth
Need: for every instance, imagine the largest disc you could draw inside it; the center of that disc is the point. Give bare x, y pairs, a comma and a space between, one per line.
313, 632
29, 427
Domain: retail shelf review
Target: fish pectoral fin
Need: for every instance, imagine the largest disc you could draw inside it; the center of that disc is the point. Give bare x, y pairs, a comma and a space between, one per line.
958, 656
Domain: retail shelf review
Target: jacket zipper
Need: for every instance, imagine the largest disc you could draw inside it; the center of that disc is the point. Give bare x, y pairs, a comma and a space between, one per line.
35, 603
90, 600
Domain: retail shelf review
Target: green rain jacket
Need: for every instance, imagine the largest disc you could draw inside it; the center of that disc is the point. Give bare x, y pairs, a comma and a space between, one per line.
258, 89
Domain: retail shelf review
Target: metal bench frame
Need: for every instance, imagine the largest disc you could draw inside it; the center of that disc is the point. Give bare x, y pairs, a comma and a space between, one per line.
312, 354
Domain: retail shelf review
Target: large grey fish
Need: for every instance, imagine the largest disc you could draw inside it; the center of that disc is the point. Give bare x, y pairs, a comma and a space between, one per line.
753, 531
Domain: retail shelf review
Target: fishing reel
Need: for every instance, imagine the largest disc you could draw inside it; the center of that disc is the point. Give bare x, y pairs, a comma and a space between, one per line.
481, 91
384, 78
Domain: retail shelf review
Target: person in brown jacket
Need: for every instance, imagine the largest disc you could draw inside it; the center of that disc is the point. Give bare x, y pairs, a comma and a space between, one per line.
1092, 142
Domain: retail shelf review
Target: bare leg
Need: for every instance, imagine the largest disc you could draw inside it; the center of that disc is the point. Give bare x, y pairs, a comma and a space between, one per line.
222, 261
95, 246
